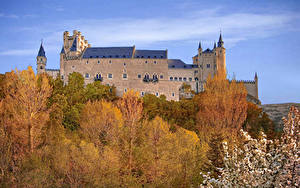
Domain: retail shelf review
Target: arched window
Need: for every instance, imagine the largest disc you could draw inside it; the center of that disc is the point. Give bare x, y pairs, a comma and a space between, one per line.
98, 76
87, 75
41, 67
196, 79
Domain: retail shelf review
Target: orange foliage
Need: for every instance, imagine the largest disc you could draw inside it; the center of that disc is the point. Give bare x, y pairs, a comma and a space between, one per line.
223, 105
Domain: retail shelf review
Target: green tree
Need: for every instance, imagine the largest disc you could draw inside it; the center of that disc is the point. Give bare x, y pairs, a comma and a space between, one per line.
257, 120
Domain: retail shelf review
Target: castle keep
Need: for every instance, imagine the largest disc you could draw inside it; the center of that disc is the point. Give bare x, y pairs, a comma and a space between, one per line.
146, 71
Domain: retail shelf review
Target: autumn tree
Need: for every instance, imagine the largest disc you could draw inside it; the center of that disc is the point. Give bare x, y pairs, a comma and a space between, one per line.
222, 106
101, 121
25, 108
131, 107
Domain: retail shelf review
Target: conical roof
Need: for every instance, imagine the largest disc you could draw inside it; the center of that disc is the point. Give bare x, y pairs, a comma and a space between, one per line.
42, 51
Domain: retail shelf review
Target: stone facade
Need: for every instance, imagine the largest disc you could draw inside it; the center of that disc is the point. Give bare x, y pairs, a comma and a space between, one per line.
146, 71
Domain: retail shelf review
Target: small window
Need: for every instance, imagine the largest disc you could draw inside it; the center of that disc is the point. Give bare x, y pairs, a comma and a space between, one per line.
171, 78
87, 62
173, 94
208, 66
98, 62
87, 75
201, 66
146, 62
62, 77
124, 64
175, 78
155, 56
154, 62
184, 79
196, 79
73, 67
41, 67
124, 75
125, 90
156, 94
196, 71
190, 79
180, 79
161, 76
142, 56
142, 93
109, 75
139, 76
110, 61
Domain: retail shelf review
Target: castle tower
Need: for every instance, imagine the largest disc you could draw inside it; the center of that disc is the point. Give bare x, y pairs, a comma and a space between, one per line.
256, 84
41, 60
220, 52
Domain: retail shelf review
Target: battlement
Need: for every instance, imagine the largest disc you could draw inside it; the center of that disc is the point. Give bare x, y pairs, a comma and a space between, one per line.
75, 43
245, 81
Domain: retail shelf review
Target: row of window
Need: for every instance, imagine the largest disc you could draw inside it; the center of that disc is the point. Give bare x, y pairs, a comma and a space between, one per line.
182, 79
109, 75
98, 62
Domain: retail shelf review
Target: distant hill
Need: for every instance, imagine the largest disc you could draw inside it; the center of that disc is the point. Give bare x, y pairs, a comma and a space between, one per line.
277, 111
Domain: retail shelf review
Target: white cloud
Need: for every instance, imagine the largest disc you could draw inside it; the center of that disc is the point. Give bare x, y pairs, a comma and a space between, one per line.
2, 15
19, 52
200, 25
236, 27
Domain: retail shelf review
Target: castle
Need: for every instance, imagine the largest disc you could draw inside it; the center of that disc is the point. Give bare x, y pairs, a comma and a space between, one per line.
145, 71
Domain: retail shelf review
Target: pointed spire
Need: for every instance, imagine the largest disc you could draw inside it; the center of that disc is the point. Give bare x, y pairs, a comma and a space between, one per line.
255, 77
62, 50
220, 43
41, 51
215, 45
200, 45
74, 45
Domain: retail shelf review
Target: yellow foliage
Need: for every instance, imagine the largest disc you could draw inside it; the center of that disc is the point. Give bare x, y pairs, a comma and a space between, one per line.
101, 122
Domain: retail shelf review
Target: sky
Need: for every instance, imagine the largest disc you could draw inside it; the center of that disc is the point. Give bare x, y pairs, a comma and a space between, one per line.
260, 36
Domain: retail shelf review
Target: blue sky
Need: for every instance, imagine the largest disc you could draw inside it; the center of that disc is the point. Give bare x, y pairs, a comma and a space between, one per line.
260, 36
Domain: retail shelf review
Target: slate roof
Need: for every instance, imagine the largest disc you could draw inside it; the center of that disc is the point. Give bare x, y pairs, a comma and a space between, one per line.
108, 52
208, 51
42, 51
178, 64
160, 54
74, 45
62, 50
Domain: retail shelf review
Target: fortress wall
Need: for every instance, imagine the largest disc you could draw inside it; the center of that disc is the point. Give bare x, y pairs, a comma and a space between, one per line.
251, 88
131, 67
53, 73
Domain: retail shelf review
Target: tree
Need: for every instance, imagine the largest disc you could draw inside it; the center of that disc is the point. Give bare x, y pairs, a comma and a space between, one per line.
261, 162
101, 121
131, 107
98, 91
25, 111
257, 120
222, 106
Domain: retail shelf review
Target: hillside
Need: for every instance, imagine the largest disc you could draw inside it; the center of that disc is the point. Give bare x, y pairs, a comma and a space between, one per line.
277, 111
